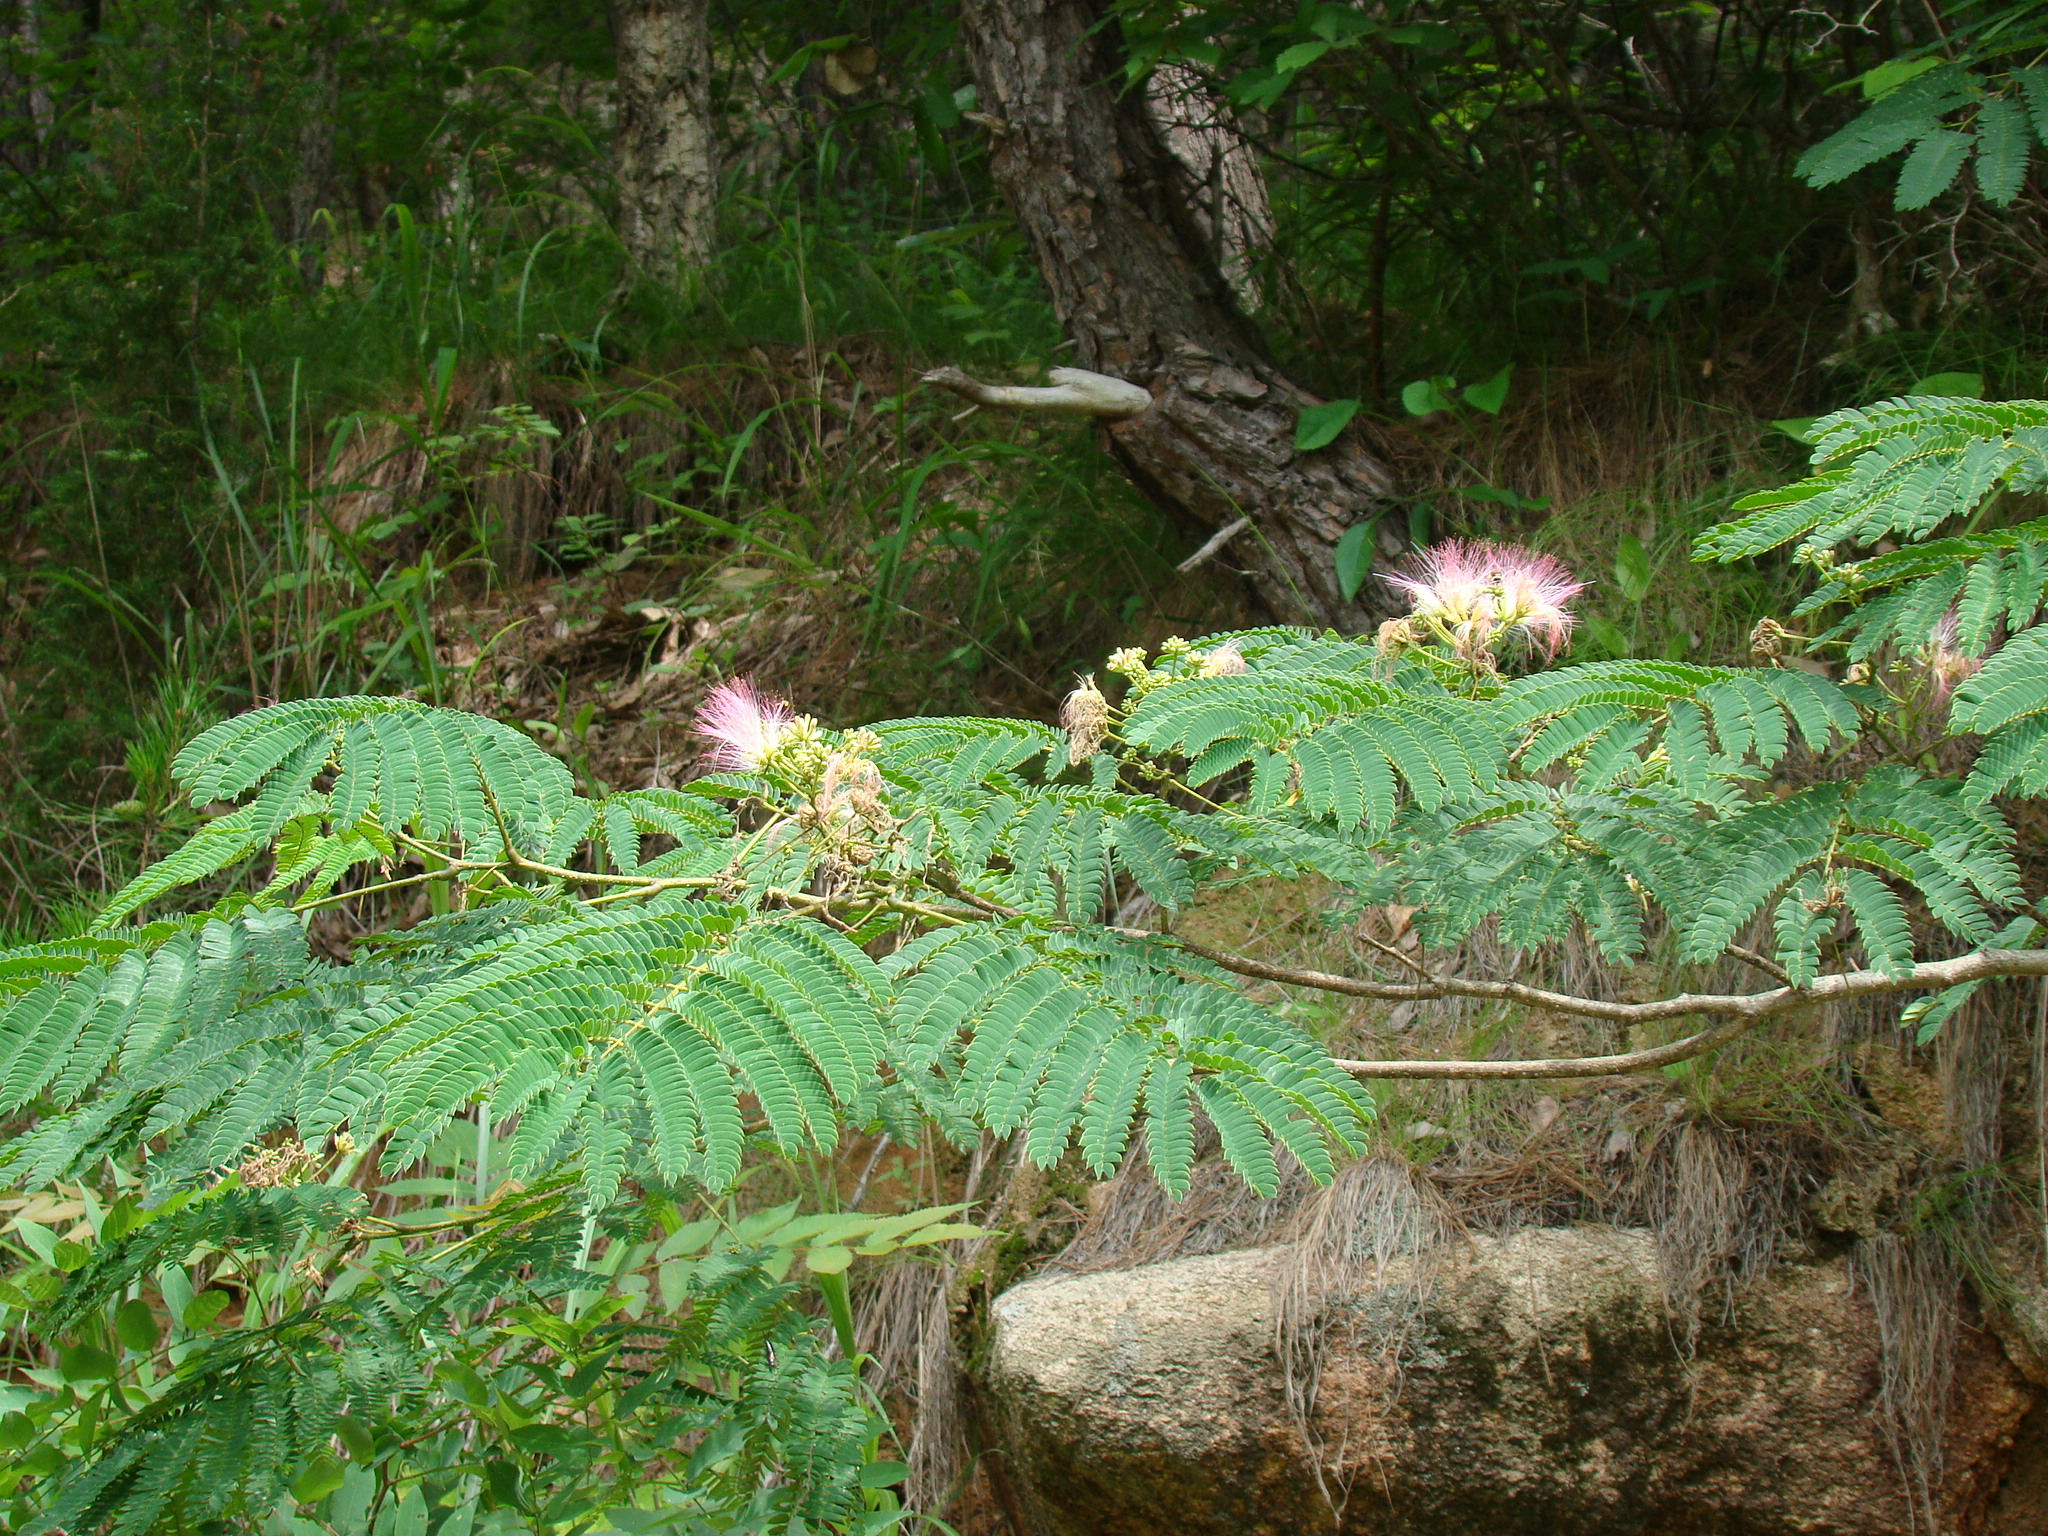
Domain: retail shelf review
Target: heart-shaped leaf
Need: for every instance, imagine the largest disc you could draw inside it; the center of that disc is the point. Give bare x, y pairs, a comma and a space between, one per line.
1490, 395
1425, 397
1318, 426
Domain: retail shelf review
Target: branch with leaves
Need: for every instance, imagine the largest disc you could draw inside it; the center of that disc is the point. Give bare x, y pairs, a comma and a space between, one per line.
906, 929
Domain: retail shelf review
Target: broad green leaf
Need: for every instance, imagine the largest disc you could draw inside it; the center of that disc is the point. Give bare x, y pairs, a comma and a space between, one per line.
84, 1362
135, 1326
355, 1439
69, 1256
1425, 397
1354, 557
320, 1476
1893, 73
1964, 385
1318, 426
1430, 36
1490, 395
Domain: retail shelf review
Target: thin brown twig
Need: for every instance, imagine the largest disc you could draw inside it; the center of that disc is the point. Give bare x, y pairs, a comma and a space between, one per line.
1407, 962
1764, 963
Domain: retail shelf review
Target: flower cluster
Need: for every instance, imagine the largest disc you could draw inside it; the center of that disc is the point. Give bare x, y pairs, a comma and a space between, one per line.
278, 1167
1768, 641
842, 788
1086, 714
1475, 597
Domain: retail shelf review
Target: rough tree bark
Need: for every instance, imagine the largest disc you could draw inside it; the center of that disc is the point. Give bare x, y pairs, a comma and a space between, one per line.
662, 143
1231, 208
315, 144
1112, 220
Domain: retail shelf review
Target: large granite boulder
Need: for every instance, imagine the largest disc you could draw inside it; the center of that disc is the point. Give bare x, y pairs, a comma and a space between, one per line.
1545, 1392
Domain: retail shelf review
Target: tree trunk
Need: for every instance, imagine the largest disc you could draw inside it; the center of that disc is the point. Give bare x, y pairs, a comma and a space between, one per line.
314, 157
1112, 221
27, 113
1230, 205
662, 145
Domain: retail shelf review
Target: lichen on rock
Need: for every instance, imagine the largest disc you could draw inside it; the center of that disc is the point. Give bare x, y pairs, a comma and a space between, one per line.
1549, 1393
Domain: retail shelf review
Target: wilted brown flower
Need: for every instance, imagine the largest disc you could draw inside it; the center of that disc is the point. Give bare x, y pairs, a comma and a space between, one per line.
277, 1167
1224, 661
1767, 641
1085, 718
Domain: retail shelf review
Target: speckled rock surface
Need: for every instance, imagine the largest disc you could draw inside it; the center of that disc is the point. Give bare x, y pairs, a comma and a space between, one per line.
2019, 1314
1548, 1396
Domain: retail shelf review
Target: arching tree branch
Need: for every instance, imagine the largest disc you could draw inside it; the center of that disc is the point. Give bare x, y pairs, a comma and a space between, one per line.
1743, 1011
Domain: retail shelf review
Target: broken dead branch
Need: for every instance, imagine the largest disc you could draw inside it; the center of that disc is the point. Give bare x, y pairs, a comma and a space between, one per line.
1073, 392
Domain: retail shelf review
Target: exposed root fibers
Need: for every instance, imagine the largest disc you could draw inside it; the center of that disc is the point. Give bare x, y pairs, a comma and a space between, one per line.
1132, 1221
1359, 1268
1720, 1203
1913, 1286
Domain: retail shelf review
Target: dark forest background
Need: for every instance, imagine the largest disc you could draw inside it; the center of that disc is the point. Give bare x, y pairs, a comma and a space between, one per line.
324, 366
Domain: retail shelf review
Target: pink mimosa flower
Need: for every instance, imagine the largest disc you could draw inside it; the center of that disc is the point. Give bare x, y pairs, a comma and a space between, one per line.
744, 726
1947, 662
1533, 591
1468, 591
1449, 583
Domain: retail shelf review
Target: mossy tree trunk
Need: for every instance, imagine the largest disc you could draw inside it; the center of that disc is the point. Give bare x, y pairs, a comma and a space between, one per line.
1117, 232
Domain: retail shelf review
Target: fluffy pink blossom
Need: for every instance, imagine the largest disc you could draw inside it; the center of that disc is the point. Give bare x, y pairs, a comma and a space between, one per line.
1947, 662
1533, 591
1470, 590
744, 726
1449, 582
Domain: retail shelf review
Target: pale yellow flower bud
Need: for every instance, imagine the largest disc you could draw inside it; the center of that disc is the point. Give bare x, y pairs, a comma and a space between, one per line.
1129, 663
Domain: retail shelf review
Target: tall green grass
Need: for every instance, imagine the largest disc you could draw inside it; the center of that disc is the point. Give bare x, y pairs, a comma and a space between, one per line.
228, 555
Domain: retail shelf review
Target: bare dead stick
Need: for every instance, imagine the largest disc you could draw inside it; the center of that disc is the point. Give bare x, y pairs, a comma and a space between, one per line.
1073, 392
1216, 541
